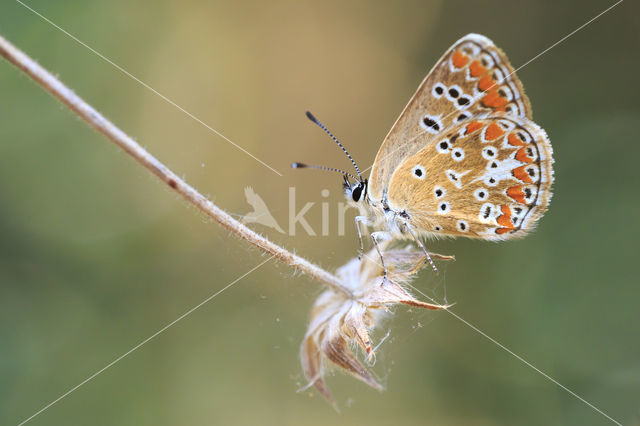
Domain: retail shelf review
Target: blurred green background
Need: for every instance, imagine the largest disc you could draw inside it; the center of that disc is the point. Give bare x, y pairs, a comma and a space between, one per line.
96, 255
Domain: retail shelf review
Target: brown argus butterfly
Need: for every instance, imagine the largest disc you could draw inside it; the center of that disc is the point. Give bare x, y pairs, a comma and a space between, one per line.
463, 159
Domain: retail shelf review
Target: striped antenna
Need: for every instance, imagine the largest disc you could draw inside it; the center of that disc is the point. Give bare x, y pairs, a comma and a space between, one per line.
322, 126
330, 169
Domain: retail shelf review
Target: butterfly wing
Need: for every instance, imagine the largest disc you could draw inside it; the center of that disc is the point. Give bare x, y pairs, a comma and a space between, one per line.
473, 77
487, 178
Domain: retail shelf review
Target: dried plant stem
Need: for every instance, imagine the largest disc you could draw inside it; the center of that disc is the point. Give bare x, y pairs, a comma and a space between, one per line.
65, 95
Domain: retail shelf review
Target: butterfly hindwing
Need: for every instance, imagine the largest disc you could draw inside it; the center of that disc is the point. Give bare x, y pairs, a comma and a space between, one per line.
473, 77
486, 177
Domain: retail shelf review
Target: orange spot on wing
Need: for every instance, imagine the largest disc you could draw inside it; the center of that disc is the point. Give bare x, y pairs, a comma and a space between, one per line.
504, 220
515, 140
493, 100
516, 193
521, 155
459, 59
493, 132
521, 174
476, 69
486, 83
472, 127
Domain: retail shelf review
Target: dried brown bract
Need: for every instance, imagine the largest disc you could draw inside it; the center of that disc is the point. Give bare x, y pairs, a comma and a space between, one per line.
338, 321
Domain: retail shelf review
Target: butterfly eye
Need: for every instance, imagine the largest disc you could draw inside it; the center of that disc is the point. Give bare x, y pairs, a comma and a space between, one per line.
418, 172
357, 192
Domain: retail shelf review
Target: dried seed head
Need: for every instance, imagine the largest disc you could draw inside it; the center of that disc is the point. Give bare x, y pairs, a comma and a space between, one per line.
337, 321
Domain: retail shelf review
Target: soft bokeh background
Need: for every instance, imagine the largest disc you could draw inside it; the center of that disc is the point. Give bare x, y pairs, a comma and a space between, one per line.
96, 255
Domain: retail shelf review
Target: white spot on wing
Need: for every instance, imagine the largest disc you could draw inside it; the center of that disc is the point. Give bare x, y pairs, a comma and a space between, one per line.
486, 60
457, 154
498, 170
460, 118
489, 153
455, 178
508, 93
418, 172
461, 104
444, 146
497, 75
436, 125
456, 90
488, 214
481, 194
436, 87
444, 207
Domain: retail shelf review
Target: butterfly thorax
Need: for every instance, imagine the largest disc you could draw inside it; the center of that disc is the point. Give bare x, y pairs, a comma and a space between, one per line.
383, 217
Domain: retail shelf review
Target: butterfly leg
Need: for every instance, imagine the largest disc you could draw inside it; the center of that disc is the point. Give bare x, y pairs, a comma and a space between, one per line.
421, 245
366, 222
376, 237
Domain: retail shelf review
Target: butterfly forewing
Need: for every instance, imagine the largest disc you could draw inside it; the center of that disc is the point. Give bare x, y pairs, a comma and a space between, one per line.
473, 77
488, 177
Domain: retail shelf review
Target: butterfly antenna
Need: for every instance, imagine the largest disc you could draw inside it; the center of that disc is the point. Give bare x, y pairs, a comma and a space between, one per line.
330, 169
322, 126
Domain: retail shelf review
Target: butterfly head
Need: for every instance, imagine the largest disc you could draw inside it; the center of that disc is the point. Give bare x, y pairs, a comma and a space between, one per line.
355, 191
